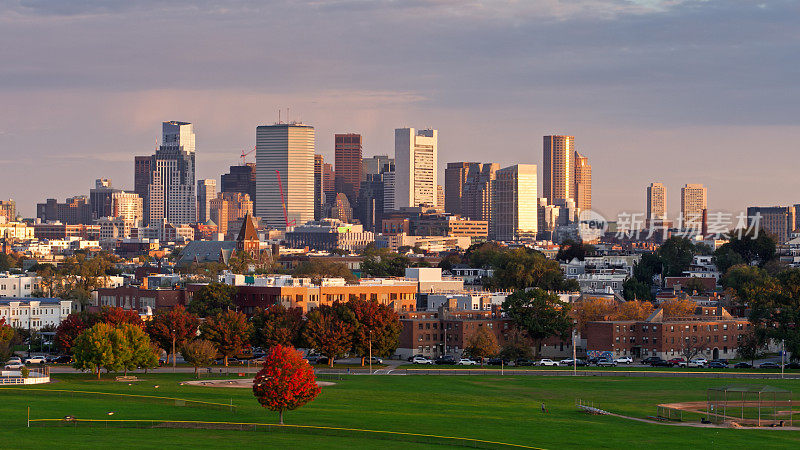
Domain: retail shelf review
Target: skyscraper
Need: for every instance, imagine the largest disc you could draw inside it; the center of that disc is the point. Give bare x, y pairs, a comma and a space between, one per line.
328, 183
348, 165
8, 209
656, 202
693, 202
377, 165
319, 163
416, 167
241, 179
516, 203
142, 171
206, 191
455, 176
285, 161
558, 169
777, 221
583, 183
477, 197
171, 192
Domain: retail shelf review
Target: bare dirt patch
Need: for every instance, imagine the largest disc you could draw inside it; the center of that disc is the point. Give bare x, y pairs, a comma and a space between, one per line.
237, 383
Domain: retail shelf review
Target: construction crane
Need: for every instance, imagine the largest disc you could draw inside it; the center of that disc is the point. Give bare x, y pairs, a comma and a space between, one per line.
245, 153
283, 201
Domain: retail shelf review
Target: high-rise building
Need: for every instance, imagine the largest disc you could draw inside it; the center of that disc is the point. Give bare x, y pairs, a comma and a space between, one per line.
142, 171
100, 198
285, 162
206, 191
558, 169
583, 183
477, 197
171, 193
777, 221
693, 202
388, 191
377, 165
516, 203
348, 165
369, 209
341, 209
8, 209
416, 167
74, 211
128, 207
439, 198
656, 202
455, 176
241, 179
328, 183
229, 207
319, 196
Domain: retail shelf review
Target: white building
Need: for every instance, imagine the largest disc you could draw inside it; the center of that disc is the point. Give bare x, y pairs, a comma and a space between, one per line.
516, 203
206, 191
286, 151
416, 168
693, 202
172, 190
18, 285
34, 313
389, 179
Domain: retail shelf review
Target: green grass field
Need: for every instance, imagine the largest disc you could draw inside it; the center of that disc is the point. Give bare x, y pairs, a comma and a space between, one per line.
495, 408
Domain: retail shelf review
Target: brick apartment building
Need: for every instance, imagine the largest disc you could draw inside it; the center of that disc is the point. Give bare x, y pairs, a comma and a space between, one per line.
711, 330
134, 298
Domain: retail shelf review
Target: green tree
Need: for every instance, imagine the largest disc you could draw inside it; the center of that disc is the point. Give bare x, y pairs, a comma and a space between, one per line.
384, 263
137, 350
212, 299
540, 313
198, 353
522, 268
751, 345
317, 269
97, 347
277, 325
726, 257
633, 289
570, 250
482, 344
751, 247
517, 346
676, 254
229, 331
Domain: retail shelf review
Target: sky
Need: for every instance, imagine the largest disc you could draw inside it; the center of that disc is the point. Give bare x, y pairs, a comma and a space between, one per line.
694, 91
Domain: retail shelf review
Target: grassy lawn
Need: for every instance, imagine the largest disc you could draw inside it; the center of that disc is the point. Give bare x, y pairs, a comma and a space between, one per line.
505, 409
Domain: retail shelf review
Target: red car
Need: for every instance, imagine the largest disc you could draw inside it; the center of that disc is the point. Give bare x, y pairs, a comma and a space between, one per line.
680, 362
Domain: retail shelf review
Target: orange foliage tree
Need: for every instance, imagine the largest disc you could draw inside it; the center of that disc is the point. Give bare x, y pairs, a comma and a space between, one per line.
633, 310
676, 307
592, 309
285, 382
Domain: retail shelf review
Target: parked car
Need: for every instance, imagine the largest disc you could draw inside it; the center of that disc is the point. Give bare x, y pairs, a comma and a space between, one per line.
718, 361
446, 359
697, 362
742, 365
466, 362
524, 362
546, 362
14, 359
769, 365
606, 362
659, 362
679, 362
317, 359
592, 361
13, 365
793, 365
497, 362
36, 359
649, 360
421, 360
411, 358
717, 365
375, 360
60, 359
624, 360
569, 362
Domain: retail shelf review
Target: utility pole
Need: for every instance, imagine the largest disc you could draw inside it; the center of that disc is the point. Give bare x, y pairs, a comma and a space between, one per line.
783, 353
173, 351
370, 352
574, 353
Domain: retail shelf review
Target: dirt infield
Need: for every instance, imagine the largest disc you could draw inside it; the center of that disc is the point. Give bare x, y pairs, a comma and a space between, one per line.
237, 383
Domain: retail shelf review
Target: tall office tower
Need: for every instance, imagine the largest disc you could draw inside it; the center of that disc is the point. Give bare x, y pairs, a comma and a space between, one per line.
558, 169
74, 211
241, 179
369, 210
100, 198
319, 196
389, 191
348, 165
777, 221
516, 203
455, 176
171, 193
477, 195
142, 171
583, 183
328, 183
285, 161
656, 202
796, 226
8, 209
693, 202
416, 167
206, 191
377, 165
341, 209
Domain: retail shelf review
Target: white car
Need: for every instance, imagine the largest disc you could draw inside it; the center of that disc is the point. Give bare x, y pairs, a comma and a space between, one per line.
36, 359
697, 362
546, 362
624, 360
14, 364
466, 362
14, 359
421, 360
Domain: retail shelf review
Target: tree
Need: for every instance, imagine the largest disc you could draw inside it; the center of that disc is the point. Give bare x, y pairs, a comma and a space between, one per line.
285, 382
6, 334
377, 327
115, 316
277, 325
694, 285
317, 269
570, 250
173, 327
517, 346
200, 352
69, 329
540, 313
751, 345
522, 268
751, 247
726, 257
633, 310
592, 310
384, 263
633, 289
676, 254
212, 299
676, 307
329, 329
97, 347
229, 331
136, 350
482, 344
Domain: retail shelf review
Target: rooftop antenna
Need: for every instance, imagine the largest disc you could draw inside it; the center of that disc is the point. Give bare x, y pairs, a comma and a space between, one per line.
279, 116
288, 119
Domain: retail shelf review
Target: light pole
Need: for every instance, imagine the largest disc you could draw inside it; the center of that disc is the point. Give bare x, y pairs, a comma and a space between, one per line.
783, 353
173, 351
574, 353
370, 352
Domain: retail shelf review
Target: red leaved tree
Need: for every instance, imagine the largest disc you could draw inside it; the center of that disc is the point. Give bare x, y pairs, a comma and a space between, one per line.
115, 316
329, 330
277, 325
229, 331
174, 326
285, 382
377, 327
72, 326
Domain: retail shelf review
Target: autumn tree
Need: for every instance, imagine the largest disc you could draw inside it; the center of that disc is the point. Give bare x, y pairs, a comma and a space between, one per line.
517, 346
174, 326
229, 331
6, 334
277, 325
212, 299
69, 329
482, 344
317, 269
592, 309
329, 330
98, 347
198, 353
540, 313
285, 382
376, 325
676, 307
115, 316
136, 350
75, 323
632, 310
